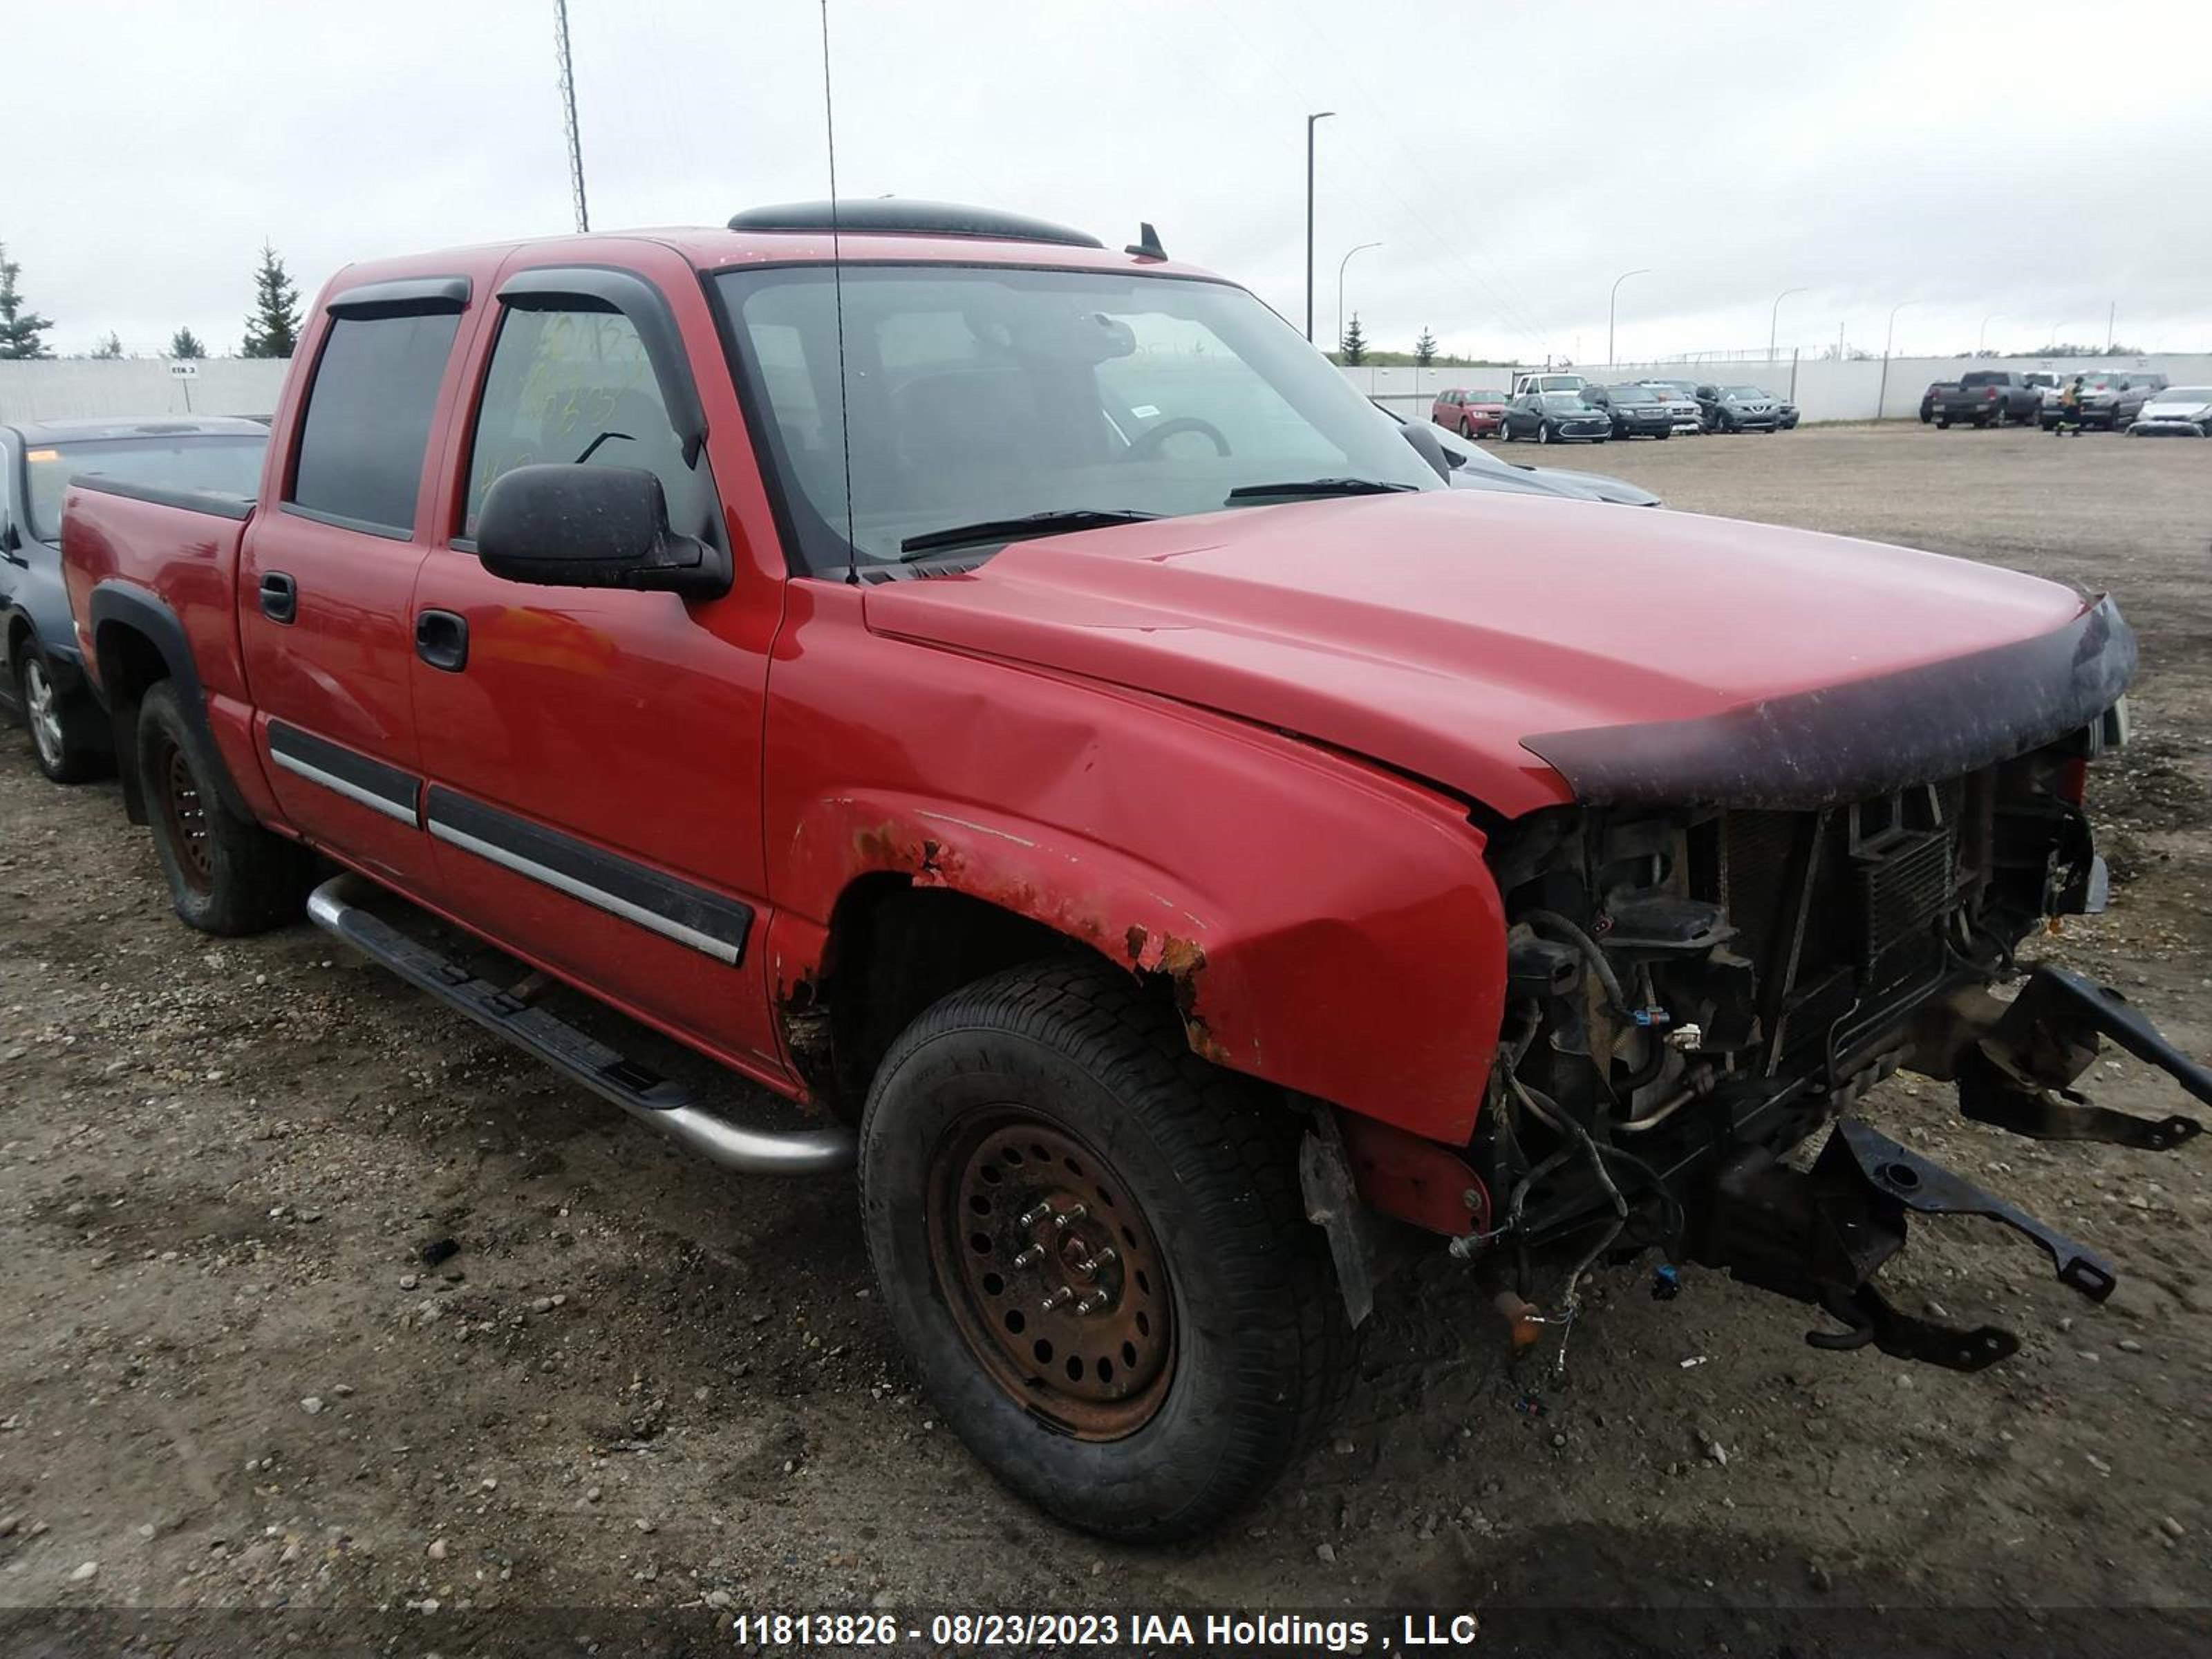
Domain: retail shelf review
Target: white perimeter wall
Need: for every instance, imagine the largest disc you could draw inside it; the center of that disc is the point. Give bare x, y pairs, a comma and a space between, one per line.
71, 388
1821, 389
74, 388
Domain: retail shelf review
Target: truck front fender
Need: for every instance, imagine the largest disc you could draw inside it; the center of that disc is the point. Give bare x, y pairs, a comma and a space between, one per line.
1320, 925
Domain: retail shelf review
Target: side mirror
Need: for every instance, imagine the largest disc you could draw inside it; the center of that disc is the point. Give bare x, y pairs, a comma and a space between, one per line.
1429, 447
573, 525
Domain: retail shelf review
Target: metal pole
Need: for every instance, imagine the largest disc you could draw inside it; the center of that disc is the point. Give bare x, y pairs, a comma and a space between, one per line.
2111, 312
1609, 303
1773, 317
1341, 265
1321, 115
1889, 336
568, 116
1982, 337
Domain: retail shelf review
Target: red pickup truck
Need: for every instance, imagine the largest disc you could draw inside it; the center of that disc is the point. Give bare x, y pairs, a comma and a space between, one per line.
1014, 698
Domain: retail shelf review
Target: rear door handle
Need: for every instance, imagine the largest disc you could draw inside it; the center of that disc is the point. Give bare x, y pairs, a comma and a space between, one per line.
280, 597
442, 639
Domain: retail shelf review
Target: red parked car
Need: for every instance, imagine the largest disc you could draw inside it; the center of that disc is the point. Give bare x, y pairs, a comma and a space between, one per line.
1014, 699
1474, 414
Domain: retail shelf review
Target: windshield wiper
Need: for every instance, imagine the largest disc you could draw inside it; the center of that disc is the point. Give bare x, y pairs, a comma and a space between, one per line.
1055, 523
1320, 487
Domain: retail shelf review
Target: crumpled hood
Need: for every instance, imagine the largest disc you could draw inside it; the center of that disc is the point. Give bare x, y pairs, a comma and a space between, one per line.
1435, 632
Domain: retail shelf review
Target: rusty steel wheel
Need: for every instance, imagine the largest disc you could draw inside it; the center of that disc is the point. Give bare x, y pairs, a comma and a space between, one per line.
183, 816
225, 873
1052, 1275
1133, 1393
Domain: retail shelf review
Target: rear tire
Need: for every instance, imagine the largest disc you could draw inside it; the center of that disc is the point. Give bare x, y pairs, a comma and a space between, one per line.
67, 739
227, 874
1219, 1345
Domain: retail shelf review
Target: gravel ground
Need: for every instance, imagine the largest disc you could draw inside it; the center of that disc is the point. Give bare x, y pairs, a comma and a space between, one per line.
319, 1298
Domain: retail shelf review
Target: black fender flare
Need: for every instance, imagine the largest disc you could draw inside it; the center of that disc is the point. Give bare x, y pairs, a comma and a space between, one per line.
114, 609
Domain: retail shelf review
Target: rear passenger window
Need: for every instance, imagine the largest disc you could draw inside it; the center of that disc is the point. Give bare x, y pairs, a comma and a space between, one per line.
368, 419
569, 386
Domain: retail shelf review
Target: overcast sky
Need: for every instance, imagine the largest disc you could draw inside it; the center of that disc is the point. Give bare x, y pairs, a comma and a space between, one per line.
2038, 162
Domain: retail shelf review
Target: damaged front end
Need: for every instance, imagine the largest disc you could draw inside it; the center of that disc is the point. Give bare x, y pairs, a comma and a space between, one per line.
1694, 993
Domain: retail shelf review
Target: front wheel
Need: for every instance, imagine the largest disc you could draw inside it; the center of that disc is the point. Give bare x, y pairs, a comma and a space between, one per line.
1091, 1244
1544, 432
1466, 429
66, 738
227, 874
1505, 432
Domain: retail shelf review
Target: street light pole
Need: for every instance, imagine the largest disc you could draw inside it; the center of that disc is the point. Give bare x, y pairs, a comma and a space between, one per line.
1319, 115
1982, 337
1341, 265
1774, 317
1610, 300
1889, 335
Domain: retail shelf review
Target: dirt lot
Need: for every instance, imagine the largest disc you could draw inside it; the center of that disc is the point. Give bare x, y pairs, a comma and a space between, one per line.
232, 1382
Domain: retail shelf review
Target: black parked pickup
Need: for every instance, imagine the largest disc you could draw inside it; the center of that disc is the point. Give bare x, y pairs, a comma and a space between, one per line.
1988, 396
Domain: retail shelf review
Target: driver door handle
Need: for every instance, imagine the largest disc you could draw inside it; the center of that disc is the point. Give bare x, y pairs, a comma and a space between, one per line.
442, 639
280, 597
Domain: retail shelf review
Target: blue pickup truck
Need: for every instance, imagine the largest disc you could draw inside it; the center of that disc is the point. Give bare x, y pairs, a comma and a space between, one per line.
43, 683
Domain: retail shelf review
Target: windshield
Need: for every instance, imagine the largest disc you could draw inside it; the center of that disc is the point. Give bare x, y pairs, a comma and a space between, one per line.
1563, 400
1744, 392
1632, 394
2186, 394
1488, 398
984, 394
229, 462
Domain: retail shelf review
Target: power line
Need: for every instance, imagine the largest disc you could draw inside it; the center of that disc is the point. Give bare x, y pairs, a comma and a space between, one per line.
568, 115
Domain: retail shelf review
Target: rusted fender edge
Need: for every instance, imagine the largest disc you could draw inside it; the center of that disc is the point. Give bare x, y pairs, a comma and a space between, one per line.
1123, 909
1303, 959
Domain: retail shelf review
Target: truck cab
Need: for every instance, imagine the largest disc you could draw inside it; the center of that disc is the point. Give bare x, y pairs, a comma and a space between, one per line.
1013, 700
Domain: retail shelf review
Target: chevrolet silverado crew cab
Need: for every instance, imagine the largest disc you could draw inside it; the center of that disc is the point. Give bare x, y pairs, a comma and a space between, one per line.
1014, 699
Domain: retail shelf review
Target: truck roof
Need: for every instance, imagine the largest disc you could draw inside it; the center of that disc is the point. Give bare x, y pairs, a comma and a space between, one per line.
870, 231
146, 426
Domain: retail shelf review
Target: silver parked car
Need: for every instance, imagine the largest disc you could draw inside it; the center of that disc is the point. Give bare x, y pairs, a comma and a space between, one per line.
2180, 411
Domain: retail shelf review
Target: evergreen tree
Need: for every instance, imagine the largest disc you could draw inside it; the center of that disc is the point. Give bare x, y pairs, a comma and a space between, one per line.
273, 330
108, 349
185, 345
1352, 351
19, 329
1425, 349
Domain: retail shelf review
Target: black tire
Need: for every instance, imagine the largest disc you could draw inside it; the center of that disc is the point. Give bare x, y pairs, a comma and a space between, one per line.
1505, 432
1942, 426
227, 874
69, 740
1544, 433
1188, 1166
1466, 429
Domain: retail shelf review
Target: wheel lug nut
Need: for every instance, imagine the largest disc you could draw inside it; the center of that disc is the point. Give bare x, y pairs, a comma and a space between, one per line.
1065, 1293
1072, 1213
1029, 1257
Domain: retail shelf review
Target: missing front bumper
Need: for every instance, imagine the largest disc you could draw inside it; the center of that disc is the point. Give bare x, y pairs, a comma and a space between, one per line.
1821, 1236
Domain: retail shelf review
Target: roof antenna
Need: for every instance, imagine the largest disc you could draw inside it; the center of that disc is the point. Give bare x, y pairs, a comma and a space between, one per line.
1147, 245
837, 289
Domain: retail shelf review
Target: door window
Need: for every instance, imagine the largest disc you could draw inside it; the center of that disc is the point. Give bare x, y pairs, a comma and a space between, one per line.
359, 458
575, 386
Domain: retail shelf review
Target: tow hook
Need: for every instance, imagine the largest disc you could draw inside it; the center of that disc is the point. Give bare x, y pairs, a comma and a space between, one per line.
2016, 1077
1820, 1237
